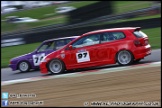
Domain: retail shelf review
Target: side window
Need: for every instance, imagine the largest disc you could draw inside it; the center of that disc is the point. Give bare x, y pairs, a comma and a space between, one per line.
68, 40
46, 46
42, 48
139, 34
118, 35
50, 46
59, 44
110, 36
107, 37
87, 41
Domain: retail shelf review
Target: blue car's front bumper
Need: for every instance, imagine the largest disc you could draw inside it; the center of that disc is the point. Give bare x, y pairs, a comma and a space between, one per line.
13, 67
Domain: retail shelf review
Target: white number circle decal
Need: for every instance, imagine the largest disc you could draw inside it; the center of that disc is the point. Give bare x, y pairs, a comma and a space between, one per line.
37, 59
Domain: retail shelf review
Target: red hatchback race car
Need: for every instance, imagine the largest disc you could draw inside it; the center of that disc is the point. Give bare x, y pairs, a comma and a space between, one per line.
101, 47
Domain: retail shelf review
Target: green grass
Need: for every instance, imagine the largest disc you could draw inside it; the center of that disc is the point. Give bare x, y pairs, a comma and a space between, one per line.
37, 13
81, 3
9, 27
118, 6
126, 20
46, 15
41, 12
126, 6
154, 35
10, 52
49, 12
140, 18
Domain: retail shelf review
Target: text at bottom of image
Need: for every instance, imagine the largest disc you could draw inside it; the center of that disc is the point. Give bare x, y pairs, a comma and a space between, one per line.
121, 103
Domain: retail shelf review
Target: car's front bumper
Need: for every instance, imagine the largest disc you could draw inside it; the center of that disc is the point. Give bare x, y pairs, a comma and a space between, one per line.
13, 67
142, 52
43, 68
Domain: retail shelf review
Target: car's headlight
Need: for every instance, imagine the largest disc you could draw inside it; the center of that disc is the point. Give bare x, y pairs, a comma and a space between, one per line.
10, 62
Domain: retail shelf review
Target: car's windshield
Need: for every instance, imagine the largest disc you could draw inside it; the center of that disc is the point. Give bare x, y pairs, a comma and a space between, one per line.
54, 45
61, 43
87, 40
46, 46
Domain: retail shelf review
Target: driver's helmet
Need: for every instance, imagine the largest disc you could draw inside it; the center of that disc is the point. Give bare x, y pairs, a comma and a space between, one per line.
48, 45
88, 41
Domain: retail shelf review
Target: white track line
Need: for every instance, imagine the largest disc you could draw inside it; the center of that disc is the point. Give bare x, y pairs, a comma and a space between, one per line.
78, 74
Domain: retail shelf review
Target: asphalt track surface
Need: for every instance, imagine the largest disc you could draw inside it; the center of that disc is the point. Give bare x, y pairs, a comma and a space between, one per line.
8, 74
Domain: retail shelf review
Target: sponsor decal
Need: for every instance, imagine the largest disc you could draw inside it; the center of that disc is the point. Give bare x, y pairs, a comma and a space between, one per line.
81, 50
62, 54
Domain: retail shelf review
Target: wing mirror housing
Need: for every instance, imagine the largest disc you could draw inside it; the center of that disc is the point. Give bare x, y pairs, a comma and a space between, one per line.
70, 47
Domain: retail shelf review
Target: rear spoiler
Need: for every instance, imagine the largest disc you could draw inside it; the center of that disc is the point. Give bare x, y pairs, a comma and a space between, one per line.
137, 29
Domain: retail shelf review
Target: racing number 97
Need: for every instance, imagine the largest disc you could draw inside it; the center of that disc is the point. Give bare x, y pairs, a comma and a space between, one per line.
81, 55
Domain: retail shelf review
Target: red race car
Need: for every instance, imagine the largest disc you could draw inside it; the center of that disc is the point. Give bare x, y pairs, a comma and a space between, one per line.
101, 47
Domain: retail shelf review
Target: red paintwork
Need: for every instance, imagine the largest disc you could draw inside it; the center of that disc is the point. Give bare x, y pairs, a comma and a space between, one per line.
100, 54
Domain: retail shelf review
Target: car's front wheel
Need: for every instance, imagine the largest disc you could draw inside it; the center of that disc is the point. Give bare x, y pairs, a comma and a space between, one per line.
56, 66
24, 66
124, 57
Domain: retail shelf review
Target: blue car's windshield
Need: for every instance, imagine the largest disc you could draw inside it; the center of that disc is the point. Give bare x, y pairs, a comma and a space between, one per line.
54, 45
46, 46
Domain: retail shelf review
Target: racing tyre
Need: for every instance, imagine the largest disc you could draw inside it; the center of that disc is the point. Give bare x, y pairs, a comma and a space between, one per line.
24, 66
136, 61
124, 57
56, 66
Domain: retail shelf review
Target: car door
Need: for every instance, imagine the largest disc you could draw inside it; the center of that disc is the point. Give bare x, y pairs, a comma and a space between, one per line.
107, 48
83, 52
110, 43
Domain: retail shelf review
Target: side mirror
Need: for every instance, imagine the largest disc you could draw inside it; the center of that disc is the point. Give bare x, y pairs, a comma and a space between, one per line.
70, 47
36, 51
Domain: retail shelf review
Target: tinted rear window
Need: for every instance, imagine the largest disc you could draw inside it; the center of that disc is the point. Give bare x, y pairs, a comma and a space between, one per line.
110, 36
139, 34
118, 35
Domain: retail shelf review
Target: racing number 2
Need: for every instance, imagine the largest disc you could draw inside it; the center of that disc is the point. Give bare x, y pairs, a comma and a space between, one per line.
82, 56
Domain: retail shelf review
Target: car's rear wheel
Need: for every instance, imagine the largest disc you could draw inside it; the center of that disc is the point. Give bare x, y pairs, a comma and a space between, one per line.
56, 66
124, 57
24, 66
